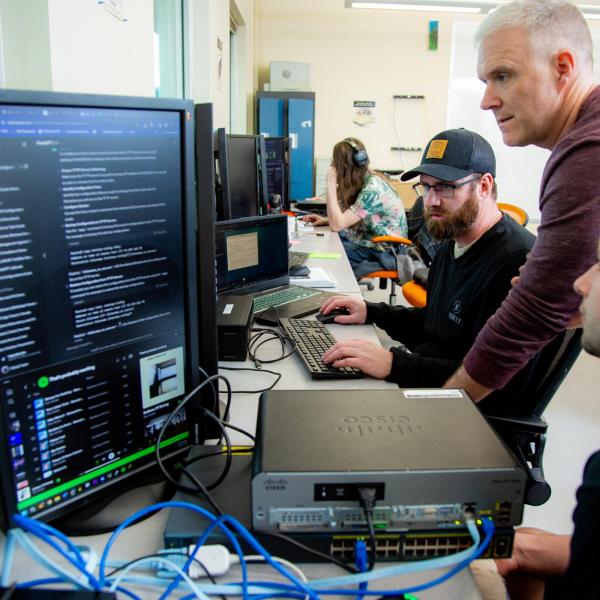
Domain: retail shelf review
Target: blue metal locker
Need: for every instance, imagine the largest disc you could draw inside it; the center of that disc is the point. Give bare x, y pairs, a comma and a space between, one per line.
271, 117
301, 116
291, 114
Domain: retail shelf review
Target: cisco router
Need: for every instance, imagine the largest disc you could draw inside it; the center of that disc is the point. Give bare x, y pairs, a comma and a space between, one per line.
428, 454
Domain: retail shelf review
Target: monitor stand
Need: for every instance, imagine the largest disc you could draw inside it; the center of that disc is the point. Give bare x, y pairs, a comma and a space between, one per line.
107, 513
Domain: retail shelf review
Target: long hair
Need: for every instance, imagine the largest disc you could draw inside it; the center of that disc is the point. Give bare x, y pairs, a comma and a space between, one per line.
350, 177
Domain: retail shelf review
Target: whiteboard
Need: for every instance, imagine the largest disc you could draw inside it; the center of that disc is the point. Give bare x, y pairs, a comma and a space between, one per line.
518, 170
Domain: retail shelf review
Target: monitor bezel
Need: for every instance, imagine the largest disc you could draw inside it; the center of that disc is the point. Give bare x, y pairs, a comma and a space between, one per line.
185, 110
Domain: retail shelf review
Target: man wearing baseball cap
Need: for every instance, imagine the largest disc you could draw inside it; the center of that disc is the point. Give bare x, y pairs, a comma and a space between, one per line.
468, 279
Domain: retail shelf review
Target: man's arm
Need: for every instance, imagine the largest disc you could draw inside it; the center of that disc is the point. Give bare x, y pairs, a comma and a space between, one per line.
462, 380
405, 325
542, 302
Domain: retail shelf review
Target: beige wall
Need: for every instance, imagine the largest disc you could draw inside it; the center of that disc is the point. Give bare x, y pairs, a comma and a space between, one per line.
26, 44
209, 21
93, 51
209, 25
77, 46
362, 55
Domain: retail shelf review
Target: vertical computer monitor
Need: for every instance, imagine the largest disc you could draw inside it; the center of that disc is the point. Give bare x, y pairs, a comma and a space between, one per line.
205, 232
277, 172
98, 300
243, 194
223, 203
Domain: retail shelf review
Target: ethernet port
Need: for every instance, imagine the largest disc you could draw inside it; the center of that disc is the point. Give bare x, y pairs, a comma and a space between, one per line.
502, 547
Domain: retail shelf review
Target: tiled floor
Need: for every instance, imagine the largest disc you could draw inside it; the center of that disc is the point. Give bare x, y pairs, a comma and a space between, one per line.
573, 434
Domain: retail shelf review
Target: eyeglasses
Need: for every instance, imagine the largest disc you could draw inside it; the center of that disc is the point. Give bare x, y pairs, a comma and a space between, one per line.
446, 190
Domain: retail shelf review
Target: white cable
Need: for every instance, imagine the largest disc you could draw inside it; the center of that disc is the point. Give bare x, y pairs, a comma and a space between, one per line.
281, 561
90, 564
171, 565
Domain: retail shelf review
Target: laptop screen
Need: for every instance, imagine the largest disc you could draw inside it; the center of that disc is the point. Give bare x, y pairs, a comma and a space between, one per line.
251, 253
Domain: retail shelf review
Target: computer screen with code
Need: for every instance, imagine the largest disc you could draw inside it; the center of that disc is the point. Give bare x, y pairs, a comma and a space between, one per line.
96, 270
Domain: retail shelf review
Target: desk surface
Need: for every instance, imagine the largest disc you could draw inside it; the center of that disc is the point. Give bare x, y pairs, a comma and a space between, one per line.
146, 537
320, 239
244, 406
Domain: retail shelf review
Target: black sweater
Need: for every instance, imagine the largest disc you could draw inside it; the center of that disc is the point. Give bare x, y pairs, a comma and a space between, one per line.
462, 293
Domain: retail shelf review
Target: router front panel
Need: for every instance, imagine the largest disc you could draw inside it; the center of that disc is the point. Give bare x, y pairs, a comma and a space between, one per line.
294, 502
429, 454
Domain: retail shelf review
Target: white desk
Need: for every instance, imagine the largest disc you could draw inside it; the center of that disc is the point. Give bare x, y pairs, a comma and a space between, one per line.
146, 537
295, 376
323, 240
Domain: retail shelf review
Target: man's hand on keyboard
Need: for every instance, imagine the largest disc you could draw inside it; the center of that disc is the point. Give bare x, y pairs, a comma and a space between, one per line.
370, 358
357, 309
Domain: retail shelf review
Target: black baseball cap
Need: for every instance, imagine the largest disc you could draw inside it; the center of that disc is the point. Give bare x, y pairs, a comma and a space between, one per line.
454, 154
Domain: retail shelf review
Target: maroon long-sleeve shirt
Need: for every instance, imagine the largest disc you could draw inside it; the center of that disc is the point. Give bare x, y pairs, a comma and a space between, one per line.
543, 301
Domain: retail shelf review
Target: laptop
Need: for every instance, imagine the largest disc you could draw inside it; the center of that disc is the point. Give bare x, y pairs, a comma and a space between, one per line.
252, 258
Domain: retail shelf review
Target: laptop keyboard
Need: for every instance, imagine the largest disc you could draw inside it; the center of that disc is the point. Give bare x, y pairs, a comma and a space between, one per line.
297, 259
279, 297
312, 339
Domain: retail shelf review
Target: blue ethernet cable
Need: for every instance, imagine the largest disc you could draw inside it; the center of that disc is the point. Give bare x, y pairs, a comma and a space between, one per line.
37, 527
36, 553
230, 520
488, 527
116, 581
9, 551
44, 532
258, 548
434, 563
360, 552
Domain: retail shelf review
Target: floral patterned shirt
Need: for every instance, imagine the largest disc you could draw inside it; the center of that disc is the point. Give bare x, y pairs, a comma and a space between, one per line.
381, 212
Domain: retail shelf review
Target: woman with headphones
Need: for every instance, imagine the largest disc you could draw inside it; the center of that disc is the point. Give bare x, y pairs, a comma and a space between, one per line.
361, 204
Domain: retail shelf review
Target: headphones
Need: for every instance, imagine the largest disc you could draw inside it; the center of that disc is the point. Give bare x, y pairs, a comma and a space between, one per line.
359, 156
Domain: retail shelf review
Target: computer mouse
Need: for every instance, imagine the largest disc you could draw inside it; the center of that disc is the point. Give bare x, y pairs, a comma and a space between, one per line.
299, 270
330, 316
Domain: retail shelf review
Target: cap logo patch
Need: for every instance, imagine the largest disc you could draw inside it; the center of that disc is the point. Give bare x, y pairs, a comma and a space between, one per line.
437, 149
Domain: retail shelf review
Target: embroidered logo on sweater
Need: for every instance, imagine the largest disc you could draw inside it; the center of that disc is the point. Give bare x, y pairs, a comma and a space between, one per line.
456, 309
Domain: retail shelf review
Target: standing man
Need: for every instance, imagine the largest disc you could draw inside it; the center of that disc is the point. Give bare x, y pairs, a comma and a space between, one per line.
535, 58
540, 559
470, 275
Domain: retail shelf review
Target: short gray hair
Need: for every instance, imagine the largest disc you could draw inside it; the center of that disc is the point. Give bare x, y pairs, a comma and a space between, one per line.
550, 24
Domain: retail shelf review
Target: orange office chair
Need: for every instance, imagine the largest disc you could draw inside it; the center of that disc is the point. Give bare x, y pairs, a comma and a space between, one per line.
516, 212
384, 275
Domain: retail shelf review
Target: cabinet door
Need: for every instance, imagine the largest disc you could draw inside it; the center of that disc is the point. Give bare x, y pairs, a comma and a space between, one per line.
271, 112
301, 117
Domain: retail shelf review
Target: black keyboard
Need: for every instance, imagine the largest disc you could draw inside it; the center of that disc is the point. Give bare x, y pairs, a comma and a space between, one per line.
312, 339
297, 259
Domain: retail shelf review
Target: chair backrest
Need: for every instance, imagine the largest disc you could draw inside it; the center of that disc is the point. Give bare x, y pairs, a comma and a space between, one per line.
551, 367
516, 212
418, 233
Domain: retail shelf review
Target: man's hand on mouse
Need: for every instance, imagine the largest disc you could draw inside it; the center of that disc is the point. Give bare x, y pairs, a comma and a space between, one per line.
356, 307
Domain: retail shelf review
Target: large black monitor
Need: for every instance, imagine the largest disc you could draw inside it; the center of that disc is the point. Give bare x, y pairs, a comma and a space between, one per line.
242, 187
277, 172
98, 298
205, 230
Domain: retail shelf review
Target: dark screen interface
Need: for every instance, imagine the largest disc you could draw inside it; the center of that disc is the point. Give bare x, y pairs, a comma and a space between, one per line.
243, 176
92, 321
275, 157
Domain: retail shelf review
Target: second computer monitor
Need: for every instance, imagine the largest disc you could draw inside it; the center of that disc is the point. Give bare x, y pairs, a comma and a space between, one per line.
241, 176
277, 172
